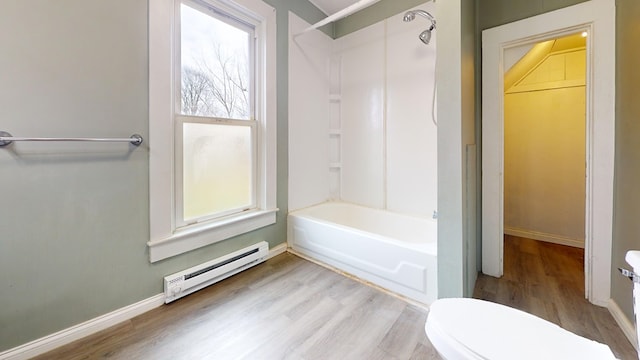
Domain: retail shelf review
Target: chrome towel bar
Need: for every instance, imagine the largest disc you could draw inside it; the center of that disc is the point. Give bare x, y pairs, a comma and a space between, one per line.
6, 139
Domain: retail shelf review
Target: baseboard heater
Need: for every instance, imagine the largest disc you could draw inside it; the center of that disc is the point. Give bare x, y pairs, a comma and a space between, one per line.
200, 276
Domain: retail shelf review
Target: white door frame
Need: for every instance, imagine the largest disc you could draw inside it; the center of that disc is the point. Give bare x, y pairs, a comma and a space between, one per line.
597, 17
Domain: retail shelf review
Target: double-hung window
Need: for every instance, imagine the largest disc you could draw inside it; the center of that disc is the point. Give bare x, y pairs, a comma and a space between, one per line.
215, 119
212, 121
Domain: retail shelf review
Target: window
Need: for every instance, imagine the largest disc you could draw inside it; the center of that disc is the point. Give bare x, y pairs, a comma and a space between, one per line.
215, 120
212, 121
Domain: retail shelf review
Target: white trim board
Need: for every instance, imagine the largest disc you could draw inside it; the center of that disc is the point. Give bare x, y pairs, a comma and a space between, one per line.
625, 324
546, 237
76, 332
597, 17
277, 250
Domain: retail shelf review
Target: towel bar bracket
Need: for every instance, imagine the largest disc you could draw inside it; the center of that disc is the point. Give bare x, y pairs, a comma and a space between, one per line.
4, 142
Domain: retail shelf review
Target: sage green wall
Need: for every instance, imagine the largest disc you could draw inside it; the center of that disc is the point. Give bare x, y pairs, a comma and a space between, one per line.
499, 12
456, 129
371, 15
626, 232
74, 218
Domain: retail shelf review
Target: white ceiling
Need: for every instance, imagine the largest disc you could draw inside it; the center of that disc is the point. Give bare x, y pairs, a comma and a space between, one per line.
332, 6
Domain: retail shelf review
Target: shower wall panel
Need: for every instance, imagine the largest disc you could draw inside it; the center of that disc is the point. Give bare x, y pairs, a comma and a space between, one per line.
389, 142
309, 56
412, 178
360, 127
362, 115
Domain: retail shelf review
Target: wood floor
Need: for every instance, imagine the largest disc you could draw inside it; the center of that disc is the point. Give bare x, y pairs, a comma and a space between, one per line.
289, 308
547, 280
286, 308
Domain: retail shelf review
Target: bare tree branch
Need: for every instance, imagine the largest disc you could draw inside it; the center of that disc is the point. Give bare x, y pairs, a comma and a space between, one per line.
195, 91
217, 86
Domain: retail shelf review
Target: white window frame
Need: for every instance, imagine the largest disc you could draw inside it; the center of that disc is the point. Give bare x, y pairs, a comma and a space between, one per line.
167, 238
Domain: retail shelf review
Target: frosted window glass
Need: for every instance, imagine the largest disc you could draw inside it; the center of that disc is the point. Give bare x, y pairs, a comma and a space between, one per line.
217, 169
215, 67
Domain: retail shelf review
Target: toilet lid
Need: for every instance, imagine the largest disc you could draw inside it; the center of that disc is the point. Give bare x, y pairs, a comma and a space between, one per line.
493, 331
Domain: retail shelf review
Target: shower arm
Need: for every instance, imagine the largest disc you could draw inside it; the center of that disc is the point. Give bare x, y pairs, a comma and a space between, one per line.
411, 15
425, 15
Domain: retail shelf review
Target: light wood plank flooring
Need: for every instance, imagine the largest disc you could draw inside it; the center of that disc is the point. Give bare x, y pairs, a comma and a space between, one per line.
547, 280
286, 308
289, 308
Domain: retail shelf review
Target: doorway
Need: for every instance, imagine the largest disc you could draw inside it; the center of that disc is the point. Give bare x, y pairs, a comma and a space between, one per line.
544, 160
600, 115
545, 141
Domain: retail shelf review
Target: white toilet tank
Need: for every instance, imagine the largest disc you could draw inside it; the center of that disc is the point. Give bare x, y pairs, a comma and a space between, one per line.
476, 329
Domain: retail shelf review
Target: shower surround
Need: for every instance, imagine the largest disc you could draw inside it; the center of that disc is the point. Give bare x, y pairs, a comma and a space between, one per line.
360, 128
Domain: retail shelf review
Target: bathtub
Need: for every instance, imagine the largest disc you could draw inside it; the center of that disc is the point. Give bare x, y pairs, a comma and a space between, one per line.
393, 251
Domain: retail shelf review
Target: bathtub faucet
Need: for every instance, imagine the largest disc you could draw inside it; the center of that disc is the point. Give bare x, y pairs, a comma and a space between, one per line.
435, 215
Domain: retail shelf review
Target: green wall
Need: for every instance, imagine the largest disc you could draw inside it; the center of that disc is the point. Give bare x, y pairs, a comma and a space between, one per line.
371, 15
626, 232
499, 12
74, 218
457, 268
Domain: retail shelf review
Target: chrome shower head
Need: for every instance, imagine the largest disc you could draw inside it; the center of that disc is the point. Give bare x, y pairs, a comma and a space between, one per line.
425, 36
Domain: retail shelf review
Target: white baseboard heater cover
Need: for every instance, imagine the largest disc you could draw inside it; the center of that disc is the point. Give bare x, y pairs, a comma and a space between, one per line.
200, 276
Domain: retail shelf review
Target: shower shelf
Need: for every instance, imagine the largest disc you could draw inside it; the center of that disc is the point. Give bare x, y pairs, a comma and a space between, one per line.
335, 132
335, 98
335, 165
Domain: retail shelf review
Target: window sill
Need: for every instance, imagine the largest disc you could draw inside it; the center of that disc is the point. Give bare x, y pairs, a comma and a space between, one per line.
197, 236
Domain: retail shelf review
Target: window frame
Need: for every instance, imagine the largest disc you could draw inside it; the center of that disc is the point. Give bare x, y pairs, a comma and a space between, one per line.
168, 236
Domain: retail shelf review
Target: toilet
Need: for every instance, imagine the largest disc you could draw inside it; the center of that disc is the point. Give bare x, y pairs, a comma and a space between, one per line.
463, 328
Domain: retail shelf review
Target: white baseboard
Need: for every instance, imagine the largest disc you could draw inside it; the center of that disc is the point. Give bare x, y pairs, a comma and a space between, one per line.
625, 324
277, 250
551, 238
68, 335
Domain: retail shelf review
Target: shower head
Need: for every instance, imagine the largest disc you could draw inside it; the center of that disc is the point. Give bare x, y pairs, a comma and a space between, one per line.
425, 36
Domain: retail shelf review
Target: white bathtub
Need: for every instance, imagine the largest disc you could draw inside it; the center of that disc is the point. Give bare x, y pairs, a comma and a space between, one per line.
393, 251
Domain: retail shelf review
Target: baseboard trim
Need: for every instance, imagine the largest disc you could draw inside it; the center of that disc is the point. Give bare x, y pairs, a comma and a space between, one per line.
68, 335
277, 250
625, 324
551, 238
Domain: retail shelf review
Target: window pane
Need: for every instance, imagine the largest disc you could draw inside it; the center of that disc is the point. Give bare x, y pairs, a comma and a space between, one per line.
215, 66
217, 169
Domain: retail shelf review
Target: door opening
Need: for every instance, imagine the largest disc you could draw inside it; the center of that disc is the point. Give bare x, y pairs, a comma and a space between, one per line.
545, 143
599, 132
